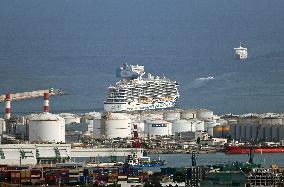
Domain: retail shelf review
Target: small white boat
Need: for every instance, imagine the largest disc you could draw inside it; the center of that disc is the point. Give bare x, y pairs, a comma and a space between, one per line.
241, 52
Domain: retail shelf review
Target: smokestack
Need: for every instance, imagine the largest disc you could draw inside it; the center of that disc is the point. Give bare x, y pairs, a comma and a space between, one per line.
46, 102
8, 106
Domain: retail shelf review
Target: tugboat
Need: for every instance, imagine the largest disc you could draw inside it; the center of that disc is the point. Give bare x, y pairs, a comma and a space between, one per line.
241, 52
134, 161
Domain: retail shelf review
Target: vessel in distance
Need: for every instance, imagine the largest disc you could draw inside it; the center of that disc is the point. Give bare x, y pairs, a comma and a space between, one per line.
135, 92
255, 149
241, 52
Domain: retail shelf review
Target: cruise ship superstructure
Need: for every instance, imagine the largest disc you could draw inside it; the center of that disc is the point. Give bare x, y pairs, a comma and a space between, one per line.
134, 92
241, 52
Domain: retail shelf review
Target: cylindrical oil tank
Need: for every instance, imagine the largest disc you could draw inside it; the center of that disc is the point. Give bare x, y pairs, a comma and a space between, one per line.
271, 121
204, 114
275, 133
199, 125
217, 131
158, 128
209, 125
171, 115
46, 127
188, 114
97, 120
252, 119
181, 126
70, 118
268, 133
225, 131
116, 125
248, 132
238, 132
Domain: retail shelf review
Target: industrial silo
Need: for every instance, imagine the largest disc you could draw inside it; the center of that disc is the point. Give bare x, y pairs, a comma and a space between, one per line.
171, 115
243, 132
238, 131
209, 125
252, 119
115, 125
158, 128
188, 114
261, 133
281, 132
271, 120
275, 133
181, 126
232, 131
204, 114
268, 132
46, 127
248, 132
225, 131
254, 132
217, 131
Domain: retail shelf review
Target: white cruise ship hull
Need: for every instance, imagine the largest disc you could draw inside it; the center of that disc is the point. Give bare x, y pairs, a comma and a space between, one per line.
135, 106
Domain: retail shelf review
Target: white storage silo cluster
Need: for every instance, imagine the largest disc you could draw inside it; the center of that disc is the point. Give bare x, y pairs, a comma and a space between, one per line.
46, 127
158, 128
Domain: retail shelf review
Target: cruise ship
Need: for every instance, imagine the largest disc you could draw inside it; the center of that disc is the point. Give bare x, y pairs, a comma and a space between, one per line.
135, 92
241, 52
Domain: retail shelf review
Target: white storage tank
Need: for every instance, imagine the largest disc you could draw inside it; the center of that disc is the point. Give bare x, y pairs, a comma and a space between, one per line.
158, 128
199, 125
204, 114
188, 114
181, 126
115, 125
171, 115
46, 127
70, 118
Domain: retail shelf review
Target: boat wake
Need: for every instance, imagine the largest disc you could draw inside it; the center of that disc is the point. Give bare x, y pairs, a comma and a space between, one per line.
199, 82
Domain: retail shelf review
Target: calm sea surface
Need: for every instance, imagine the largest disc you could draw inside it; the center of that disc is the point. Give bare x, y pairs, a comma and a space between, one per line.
76, 46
